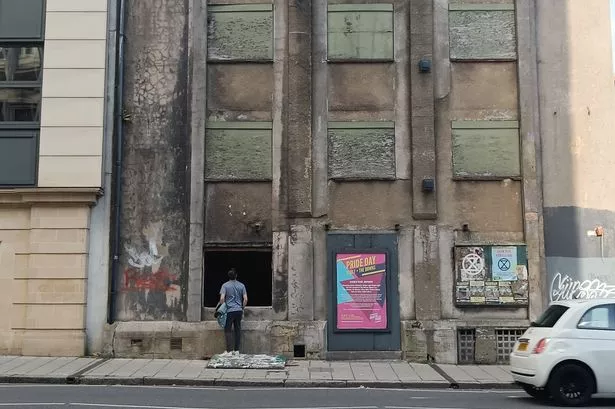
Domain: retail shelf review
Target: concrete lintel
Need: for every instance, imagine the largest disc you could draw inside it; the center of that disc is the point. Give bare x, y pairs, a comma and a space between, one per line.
531, 151
198, 116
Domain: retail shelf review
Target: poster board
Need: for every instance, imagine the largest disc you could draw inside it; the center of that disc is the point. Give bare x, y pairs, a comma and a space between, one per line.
361, 291
491, 275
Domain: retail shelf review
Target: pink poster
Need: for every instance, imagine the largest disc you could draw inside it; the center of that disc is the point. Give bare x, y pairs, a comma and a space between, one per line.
361, 291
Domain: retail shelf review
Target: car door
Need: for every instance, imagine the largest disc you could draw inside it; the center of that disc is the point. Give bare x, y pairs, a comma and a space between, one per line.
596, 343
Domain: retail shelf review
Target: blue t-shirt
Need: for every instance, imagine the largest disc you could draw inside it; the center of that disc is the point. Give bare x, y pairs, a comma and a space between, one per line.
233, 295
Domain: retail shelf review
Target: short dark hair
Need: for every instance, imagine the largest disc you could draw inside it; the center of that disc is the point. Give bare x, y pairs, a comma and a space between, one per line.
232, 274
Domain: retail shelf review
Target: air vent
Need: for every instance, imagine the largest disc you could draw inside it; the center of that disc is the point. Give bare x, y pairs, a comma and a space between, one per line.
176, 344
466, 340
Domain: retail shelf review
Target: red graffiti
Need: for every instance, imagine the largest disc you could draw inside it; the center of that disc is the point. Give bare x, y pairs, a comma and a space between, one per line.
136, 280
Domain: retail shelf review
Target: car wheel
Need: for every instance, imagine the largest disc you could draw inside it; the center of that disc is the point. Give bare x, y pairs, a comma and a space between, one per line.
538, 393
571, 385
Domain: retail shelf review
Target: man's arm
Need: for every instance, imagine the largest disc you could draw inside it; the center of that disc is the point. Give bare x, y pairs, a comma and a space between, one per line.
222, 297
245, 299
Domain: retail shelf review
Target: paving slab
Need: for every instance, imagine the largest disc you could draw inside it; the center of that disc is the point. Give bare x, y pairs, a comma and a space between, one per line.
457, 373
6, 358
257, 374
51, 366
277, 375
479, 374
151, 368
298, 373
384, 372
341, 371
209, 373
427, 373
108, 367
130, 368
404, 372
15, 363
233, 374
192, 370
498, 373
172, 369
362, 371
76, 366
29, 366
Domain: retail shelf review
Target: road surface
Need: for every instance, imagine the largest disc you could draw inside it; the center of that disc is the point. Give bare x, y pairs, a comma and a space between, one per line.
150, 397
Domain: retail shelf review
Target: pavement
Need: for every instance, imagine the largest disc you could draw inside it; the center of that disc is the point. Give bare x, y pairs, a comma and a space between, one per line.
297, 373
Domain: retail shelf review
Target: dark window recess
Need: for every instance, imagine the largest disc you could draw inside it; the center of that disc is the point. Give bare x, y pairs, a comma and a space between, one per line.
550, 317
253, 269
299, 351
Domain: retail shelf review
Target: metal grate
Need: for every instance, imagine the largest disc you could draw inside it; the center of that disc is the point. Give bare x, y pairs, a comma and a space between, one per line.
505, 341
176, 344
466, 339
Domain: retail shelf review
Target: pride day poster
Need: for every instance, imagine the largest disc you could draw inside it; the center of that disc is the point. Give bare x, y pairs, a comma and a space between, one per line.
361, 291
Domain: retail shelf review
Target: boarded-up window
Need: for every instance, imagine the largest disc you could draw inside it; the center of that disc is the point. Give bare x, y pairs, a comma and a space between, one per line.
486, 149
240, 32
482, 32
360, 32
361, 150
238, 150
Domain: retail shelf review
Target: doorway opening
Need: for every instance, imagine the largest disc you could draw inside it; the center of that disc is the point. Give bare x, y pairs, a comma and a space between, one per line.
253, 269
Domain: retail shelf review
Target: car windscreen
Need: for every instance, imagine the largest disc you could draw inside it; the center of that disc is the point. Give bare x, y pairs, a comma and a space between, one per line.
550, 317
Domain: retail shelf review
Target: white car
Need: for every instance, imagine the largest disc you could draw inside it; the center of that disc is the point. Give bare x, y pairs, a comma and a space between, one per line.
568, 354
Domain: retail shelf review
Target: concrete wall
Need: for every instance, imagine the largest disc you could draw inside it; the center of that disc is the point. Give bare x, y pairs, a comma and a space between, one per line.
577, 103
154, 223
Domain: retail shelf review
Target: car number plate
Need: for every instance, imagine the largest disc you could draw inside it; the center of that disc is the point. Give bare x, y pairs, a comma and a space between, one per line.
522, 347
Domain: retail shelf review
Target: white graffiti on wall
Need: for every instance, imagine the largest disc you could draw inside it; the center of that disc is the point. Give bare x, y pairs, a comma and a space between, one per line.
564, 287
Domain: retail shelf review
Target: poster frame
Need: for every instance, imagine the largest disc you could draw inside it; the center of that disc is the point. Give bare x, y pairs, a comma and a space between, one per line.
522, 259
387, 278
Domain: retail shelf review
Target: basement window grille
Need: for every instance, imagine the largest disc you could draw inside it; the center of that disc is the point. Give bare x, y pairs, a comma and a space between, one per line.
466, 339
176, 344
505, 341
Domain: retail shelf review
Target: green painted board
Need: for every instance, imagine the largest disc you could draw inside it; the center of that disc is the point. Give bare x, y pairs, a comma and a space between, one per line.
240, 35
360, 35
367, 153
482, 35
486, 153
238, 154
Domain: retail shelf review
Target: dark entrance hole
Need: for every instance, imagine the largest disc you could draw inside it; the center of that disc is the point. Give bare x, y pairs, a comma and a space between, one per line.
253, 269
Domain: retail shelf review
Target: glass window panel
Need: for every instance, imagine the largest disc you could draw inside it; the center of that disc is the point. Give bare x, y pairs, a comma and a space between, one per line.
20, 105
20, 63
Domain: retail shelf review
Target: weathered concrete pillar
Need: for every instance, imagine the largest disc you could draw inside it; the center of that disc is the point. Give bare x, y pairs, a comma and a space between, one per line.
299, 135
529, 112
300, 274
426, 273
402, 91
422, 109
198, 116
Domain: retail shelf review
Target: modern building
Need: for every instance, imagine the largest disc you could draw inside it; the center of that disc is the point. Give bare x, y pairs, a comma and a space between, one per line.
400, 178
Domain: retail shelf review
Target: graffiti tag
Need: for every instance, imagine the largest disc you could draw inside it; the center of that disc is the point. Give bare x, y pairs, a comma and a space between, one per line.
138, 280
564, 287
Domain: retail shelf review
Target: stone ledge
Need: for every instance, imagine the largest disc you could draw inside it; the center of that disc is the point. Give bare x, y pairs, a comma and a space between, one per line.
29, 196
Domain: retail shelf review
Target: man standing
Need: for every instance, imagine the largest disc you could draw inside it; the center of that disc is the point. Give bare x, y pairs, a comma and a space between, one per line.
234, 294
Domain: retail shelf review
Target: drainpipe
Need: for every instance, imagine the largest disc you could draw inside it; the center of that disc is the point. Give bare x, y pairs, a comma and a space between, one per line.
117, 172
